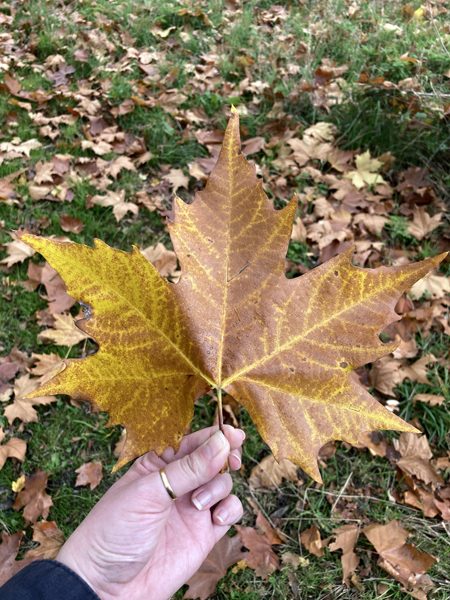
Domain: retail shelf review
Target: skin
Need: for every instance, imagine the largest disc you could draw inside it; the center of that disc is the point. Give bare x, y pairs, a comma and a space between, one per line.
139, 543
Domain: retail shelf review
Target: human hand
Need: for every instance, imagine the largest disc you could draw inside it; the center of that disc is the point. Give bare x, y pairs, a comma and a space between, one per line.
138, 543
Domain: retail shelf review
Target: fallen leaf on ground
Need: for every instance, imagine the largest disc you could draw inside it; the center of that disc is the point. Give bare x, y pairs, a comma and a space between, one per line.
57, 296
70, 224
34, 498
164, 261
177, 178
422, 223
431, 399
64, 333
415, 460
225, 553
270, 473
89, 473
22, 407
367, 171
9, 548
289, 558
312, 541
117, 201
17, 251
434, 286
13, 448
259, 541
298, 231
50, 538
47, 366
346, 537
234, 321
401, 560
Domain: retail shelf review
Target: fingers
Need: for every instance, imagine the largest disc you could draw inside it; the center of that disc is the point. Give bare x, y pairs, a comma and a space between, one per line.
197, 468
192, 441
228, 512
212, 492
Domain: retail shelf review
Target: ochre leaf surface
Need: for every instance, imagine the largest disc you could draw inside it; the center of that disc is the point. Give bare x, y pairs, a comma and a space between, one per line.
283, 348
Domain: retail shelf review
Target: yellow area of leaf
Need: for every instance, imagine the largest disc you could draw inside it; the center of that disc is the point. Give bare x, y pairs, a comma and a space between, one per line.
283, 348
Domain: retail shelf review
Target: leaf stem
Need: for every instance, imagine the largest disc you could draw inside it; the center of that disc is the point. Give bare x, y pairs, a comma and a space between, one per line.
219, 409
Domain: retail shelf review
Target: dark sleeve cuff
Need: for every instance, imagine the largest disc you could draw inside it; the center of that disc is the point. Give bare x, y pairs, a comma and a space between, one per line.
46, 580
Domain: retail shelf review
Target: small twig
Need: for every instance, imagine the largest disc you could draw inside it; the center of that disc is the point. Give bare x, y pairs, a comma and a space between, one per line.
341, 492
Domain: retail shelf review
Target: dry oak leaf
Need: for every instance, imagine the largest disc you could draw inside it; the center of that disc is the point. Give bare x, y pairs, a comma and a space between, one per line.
422, 223
9, 549
34, 498
435, 286
367, 171
17, 251
270, 473
14, 448
283, 348
401, 560
22, 407
416, 456
89, 473
64, 333
225, 553
50, 538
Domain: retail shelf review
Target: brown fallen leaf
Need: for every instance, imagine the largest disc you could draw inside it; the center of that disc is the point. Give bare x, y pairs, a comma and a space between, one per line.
431, 399
225, 553
22, 408
422, 223
177, 178
435, 286
14, 448
298, 231
259, 542
34, 498
346, 537
402, 561
117, 201
270, 473
415, 460
47, 366
17, 251
312, 541
64, 333
70, 224
375, 443
89, 473
57, 296
50, 538
164, 261
9, 548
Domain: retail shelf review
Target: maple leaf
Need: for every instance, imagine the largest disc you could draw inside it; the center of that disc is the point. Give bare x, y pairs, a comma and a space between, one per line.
9, 549
64, 333
422, 223
260, 541
435, 286
366, 171
14, 448
17, 250
346, 537
283, 348
270, 473
34, 498
22, 407
89, 473
225, 553
312, 541
177, 178
117, 201
50, 539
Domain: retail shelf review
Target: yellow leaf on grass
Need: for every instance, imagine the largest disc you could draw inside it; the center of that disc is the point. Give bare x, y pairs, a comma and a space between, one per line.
283, 348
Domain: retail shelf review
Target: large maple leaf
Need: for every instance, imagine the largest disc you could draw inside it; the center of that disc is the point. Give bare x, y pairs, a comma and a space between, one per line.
284, 348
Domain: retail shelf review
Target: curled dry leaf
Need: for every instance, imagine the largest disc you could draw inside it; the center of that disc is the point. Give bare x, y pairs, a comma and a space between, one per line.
422, 223
13, 448
89, 474
34, 498
401, 560
50, 538
17, 251
312, 541
57, 296
416, 456
225, 553
232, 322
22, 407
431, 399
164, 261
270, 473
259, 541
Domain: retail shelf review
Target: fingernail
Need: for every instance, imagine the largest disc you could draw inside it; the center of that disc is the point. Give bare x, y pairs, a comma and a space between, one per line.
215, 444
243, 433
222, 515
201, 499
236, 455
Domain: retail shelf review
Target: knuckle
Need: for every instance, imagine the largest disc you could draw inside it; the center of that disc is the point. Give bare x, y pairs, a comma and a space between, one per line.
188, 465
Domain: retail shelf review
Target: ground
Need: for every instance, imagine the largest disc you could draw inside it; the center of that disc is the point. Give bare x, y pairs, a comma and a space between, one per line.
280, 66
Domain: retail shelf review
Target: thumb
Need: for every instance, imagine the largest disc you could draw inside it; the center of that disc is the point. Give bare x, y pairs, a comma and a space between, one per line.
195, 469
